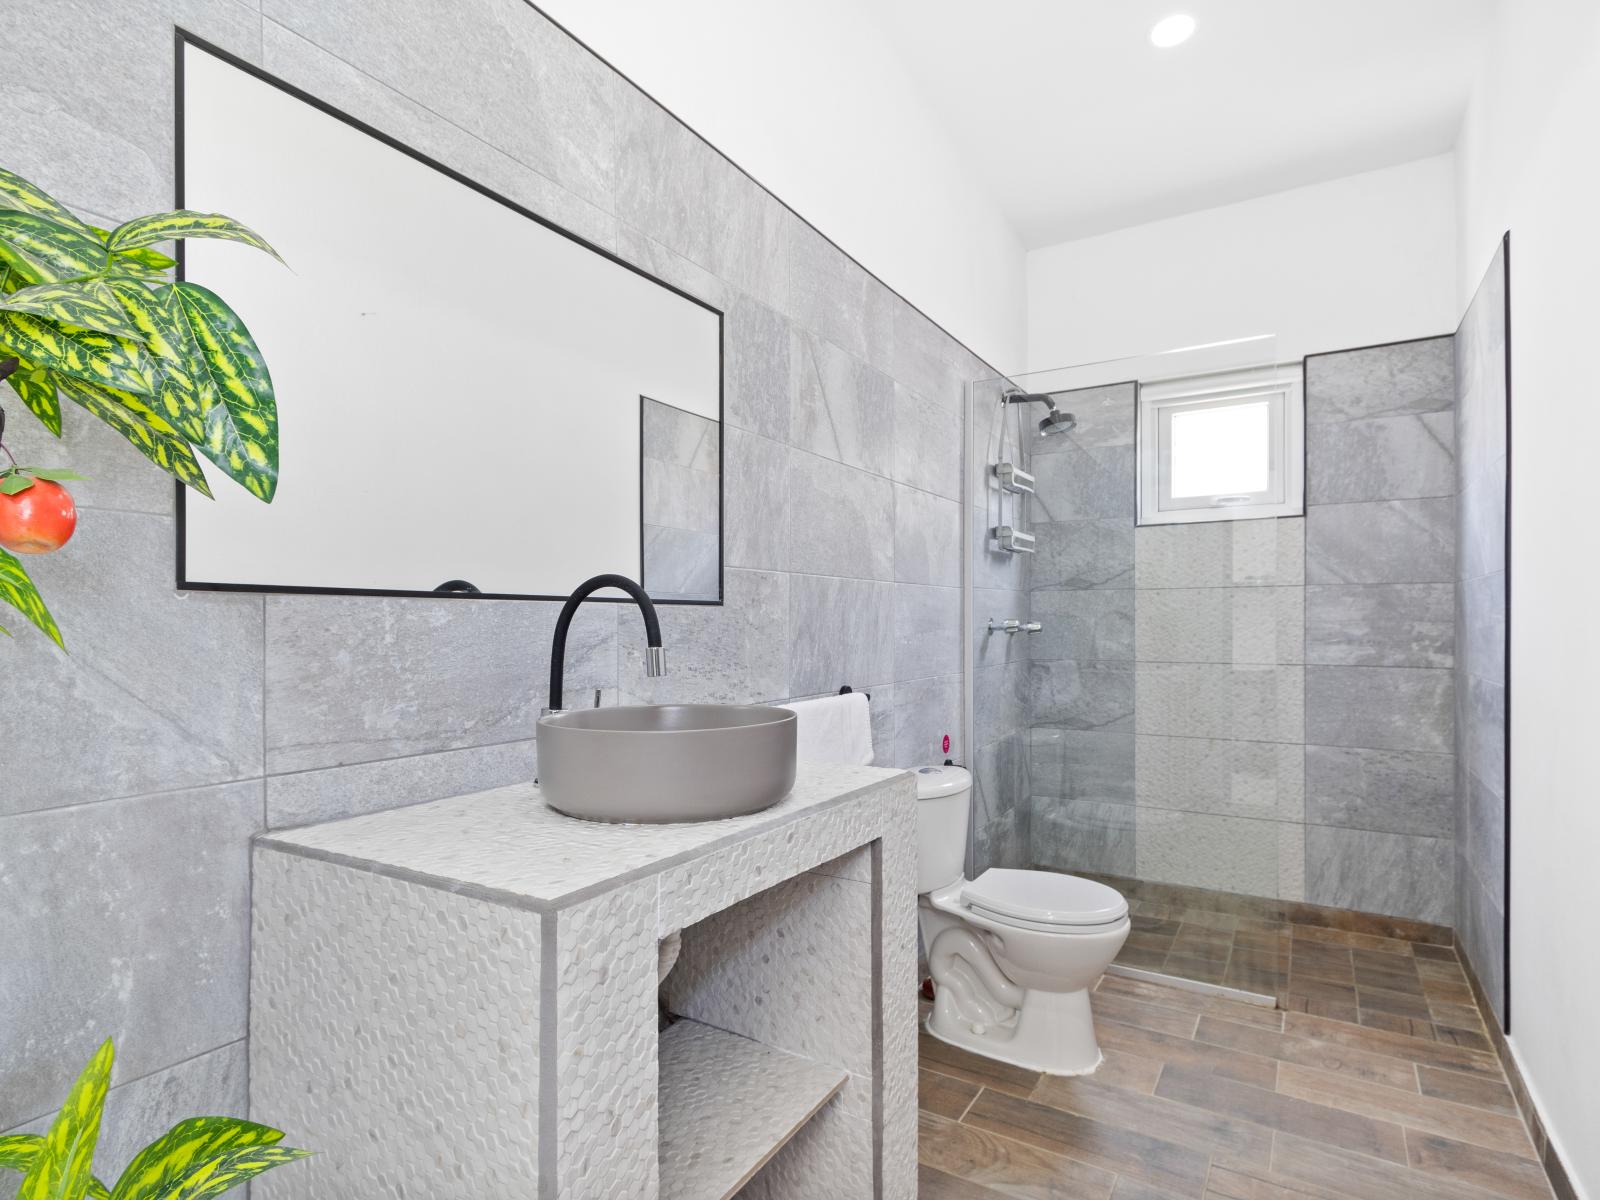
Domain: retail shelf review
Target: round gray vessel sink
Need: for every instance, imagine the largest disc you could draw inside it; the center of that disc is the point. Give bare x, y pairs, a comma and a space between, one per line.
666, 762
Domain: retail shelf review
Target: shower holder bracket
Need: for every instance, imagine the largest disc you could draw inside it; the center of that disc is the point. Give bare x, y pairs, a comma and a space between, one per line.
1013, 478
1013, 540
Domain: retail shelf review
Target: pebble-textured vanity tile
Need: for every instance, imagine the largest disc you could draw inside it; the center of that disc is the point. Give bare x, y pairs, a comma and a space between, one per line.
370, 1041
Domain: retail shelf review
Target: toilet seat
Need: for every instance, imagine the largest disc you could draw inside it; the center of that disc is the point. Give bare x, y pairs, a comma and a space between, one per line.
1044, 900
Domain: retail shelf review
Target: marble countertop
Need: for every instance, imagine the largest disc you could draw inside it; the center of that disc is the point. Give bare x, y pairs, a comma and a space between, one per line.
509, 846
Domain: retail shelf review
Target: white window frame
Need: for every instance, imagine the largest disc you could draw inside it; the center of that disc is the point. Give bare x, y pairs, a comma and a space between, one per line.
1283, 387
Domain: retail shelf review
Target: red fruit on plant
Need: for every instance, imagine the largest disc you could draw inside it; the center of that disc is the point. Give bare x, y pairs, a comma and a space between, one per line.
37, 520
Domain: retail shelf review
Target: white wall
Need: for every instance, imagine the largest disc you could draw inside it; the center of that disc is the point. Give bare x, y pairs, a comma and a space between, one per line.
1363, 259
811, 101
1529, 161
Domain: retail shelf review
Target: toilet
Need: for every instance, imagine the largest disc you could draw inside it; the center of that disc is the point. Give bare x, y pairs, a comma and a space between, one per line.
1012, 953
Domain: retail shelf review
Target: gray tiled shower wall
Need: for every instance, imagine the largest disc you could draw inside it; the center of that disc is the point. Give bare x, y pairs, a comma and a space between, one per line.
1257, 706
1480, 781
181, 724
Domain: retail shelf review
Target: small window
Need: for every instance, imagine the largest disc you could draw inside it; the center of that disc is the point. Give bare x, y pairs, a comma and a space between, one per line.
1222, 447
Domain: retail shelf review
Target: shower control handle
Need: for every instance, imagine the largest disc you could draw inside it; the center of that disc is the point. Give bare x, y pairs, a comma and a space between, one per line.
1012, 625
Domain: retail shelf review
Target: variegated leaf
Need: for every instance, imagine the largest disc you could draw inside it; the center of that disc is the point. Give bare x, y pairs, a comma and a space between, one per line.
185, 1146
141, 260
185, 223
85, 303
142, 425
95, 357
64, 1167
37, 390
18, 1150
239, 373
17, 193
225, 1172
41, 251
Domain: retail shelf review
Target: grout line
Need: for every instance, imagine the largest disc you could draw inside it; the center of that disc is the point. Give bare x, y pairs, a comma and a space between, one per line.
972, 1102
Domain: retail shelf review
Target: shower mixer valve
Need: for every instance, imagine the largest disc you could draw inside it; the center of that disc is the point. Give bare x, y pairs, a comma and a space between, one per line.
1012, 625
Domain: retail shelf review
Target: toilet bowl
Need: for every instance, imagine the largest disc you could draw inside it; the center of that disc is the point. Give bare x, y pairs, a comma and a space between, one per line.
1012, 953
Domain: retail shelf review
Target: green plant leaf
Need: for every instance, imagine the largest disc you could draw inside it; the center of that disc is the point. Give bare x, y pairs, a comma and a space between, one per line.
37, 391
239, 373
17, 590
41, 251
17, 193
185, 223
52, 473
11, 484
226, 1172
18, 1150
94, 357
84, 303
134, 418
63, 1169
140, 260
187, 1145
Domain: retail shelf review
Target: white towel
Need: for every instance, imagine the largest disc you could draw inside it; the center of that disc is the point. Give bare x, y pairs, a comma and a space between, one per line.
835, 729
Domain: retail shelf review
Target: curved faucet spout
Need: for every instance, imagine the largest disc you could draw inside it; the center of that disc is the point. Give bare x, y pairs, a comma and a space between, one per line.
654, 660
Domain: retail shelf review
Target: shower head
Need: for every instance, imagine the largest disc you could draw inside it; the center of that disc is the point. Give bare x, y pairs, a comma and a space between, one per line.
1057, 422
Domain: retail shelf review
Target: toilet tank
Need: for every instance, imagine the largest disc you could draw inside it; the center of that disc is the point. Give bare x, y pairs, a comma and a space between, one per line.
944, 799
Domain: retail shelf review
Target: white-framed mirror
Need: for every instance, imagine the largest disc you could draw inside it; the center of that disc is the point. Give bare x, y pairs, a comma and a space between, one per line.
467, 393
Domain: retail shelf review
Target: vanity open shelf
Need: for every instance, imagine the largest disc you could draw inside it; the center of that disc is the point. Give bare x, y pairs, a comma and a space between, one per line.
727, 1105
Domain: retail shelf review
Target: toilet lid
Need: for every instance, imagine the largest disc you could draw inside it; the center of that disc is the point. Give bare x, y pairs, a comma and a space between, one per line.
1045, 897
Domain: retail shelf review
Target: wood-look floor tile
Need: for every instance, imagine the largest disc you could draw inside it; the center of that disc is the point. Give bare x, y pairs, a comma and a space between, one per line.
1456, 1016
1226, 1184
1469, 1038
944, 1095
1336, 1174
1409, 1026
1284, 1113
1114, 1007
1131, 1189
1188, 966
1312, 988
1502, 1174
1149, 941
1219, 1060
1010, 1168
1476, 1091
1290, 1047
1145, 1158
1193, 1002
1421, 950
1447, 991
1142, 923
1127, 1071
1345, 937
1138, 956
973, 1068
1241, 974
1314, 960
1377, 1041
1477, 1126
933, 1184
1334, 1010
1399, 1004
1224, 1137
1210, 919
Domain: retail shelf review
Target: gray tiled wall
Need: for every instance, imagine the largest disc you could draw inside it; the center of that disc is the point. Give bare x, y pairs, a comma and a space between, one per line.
1380, 628
1480, 781
180, 724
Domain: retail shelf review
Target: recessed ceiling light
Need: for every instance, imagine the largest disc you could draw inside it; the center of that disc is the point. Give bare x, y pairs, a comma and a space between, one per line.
1173, 30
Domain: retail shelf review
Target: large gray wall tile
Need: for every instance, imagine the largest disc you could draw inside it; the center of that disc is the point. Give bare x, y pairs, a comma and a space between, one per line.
1083, 835
841, 631
1082, 695
1387, 791
1082, 764
1248, 703
926, 710
927, 538
1203, 850
1092, 626
126, 919
992, 646
1259, 553
927, 444
1405, 377
1482, 505
1260, 625
557, 108
757, 362
737, 653
1105, 417
841, 521
1386, 873
1481, 625
833, 297
1482, 741
1264, 780
842, 408
927, 631
1001, 702
1083, 554
1381, 625
1391, 541
1077, 483
1381, 708
158, 690
1381, 458
755, 497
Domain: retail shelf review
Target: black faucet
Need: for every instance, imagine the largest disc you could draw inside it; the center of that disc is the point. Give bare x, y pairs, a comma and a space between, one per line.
654, 662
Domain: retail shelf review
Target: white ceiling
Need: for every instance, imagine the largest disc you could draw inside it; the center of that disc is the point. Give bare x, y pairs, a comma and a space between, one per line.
1078, 125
